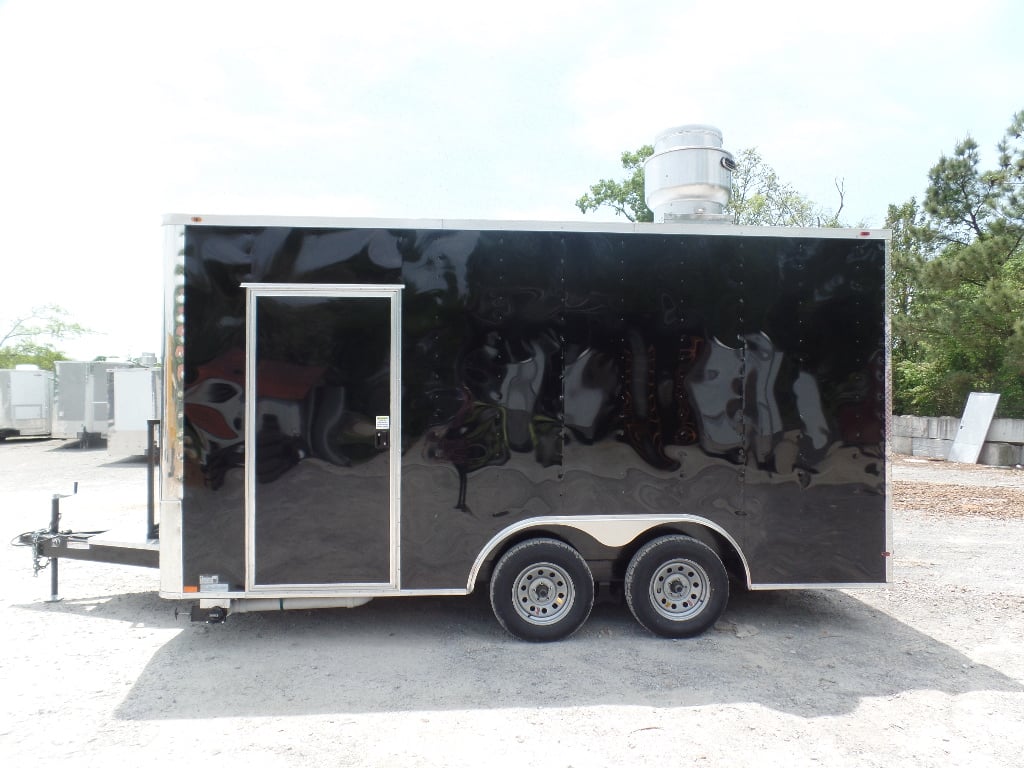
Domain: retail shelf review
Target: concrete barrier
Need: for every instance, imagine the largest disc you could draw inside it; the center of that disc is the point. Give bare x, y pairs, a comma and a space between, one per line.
932, 437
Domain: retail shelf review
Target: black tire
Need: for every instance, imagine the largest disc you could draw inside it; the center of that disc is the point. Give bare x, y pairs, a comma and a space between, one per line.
676, 586
542, 590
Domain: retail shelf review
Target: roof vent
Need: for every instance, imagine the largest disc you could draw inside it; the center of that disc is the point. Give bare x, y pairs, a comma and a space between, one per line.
689, 176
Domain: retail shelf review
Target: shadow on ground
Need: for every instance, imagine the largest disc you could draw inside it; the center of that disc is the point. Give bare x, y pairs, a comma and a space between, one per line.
811, 654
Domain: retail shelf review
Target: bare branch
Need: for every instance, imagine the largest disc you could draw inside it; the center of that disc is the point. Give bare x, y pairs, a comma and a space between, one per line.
841, 189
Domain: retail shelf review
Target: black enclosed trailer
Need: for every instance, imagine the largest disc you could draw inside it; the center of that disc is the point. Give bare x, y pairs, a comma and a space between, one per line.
359, 409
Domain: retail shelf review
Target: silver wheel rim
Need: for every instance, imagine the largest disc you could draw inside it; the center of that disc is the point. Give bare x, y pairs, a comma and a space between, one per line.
543, 593
679, 589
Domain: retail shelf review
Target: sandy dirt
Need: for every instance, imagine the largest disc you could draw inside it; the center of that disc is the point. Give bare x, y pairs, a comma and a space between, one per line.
926, 672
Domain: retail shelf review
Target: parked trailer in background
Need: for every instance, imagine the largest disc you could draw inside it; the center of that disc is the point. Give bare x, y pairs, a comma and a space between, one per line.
134, 396
26, 402
81, 398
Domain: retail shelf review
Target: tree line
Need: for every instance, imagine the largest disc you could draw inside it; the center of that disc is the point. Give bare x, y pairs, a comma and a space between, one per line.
957, 283
30, 338
956, 279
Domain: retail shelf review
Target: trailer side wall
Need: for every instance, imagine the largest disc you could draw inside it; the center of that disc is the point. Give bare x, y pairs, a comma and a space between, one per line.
734, 377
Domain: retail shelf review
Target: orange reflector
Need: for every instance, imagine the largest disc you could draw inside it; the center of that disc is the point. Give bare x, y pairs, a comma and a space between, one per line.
190, 588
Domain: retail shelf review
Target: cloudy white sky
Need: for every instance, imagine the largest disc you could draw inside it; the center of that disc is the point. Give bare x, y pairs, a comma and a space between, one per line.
114, 113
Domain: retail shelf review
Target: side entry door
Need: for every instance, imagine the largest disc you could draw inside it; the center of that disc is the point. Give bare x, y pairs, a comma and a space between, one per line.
322, 437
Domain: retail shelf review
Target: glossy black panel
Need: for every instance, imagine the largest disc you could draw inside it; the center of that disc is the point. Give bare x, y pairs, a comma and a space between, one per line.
733, 377
322, 509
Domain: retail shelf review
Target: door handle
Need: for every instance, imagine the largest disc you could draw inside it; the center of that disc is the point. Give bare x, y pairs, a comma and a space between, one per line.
381, 439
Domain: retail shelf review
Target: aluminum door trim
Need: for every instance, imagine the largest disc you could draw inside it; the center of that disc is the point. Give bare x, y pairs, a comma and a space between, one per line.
253, 292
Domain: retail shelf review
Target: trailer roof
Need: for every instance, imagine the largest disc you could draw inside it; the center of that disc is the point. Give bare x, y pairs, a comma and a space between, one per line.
625, 227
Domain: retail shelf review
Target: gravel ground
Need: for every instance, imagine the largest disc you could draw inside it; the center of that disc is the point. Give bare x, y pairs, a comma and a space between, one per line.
926, 672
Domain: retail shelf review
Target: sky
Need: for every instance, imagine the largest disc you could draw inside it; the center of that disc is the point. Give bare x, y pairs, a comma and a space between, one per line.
115, 113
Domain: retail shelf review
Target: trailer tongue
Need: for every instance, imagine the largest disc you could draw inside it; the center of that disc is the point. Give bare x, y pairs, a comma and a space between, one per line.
52, 544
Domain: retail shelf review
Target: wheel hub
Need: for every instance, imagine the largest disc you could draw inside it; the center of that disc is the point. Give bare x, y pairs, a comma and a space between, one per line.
679, 589
543, 593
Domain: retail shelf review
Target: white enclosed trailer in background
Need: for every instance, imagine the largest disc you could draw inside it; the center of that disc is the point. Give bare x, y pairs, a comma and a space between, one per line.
26, 402
134, 399
82, 399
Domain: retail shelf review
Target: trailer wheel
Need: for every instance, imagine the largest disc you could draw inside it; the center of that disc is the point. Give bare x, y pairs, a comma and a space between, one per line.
542, 590
676, 586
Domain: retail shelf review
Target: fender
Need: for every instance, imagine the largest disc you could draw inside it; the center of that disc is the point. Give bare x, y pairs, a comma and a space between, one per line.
610, 530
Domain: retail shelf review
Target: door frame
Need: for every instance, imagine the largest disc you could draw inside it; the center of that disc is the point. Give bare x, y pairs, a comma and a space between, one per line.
253, 292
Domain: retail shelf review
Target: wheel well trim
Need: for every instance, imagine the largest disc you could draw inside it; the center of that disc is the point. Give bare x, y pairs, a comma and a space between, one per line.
610, 530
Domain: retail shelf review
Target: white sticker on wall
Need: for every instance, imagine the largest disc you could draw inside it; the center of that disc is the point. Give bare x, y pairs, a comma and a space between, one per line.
210, 582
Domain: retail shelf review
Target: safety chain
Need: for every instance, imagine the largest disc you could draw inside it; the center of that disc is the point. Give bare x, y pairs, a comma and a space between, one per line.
38, 537
38, 540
